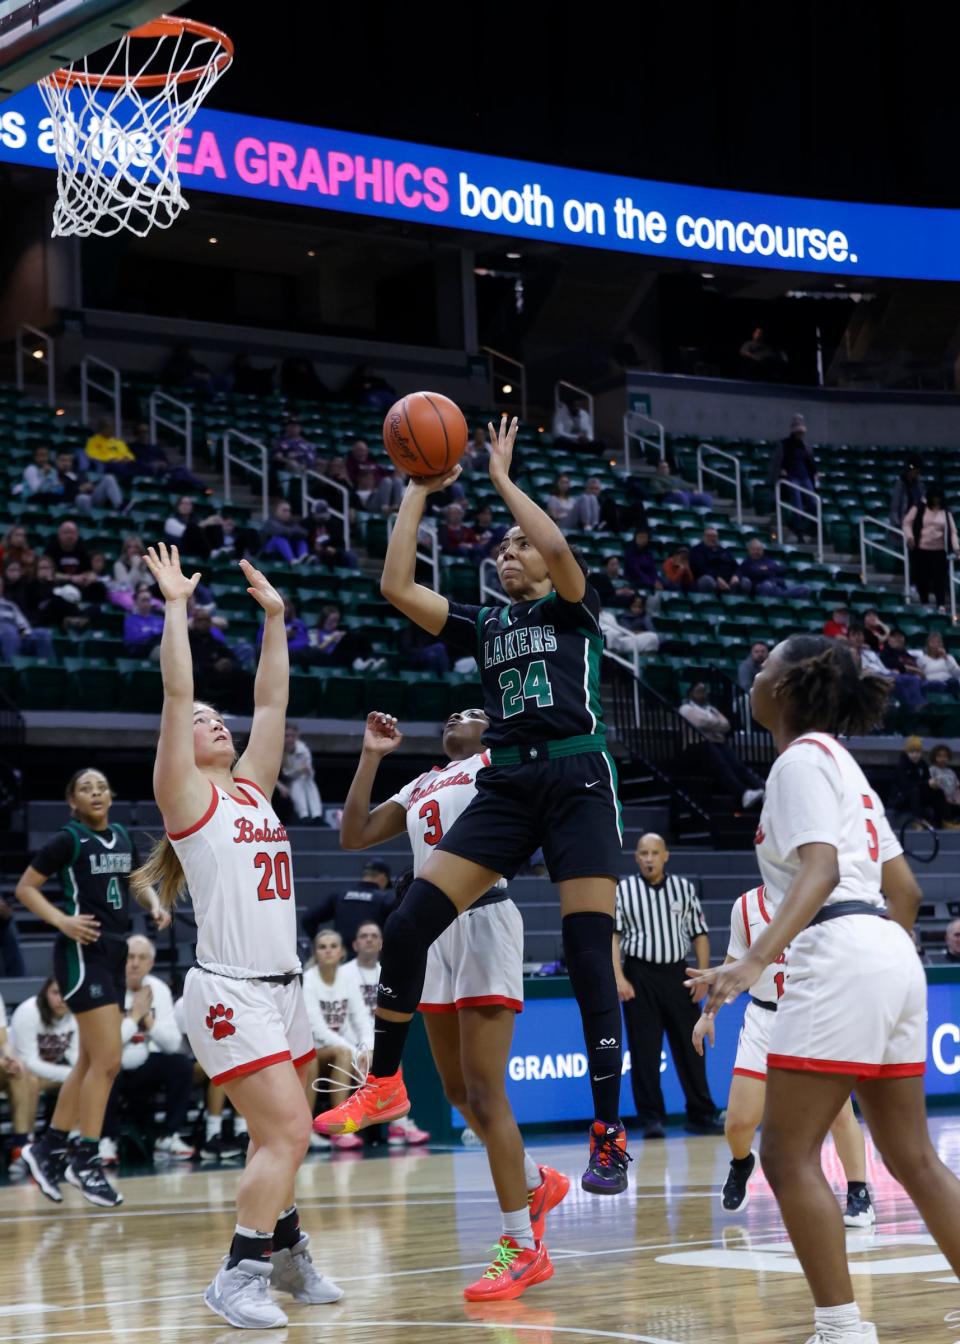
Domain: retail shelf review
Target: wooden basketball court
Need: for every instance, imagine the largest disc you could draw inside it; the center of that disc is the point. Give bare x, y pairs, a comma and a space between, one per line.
403, 1232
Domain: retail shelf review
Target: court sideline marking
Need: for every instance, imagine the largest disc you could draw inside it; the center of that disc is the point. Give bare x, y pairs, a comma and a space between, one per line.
222, 1326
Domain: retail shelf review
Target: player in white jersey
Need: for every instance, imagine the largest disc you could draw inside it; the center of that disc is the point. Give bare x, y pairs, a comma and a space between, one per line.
243, 1005
748, 918
474, 981
854, 1010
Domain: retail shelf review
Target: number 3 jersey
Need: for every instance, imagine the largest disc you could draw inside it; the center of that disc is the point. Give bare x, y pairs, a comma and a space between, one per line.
816, 793
539, 664
433, 802
237, 863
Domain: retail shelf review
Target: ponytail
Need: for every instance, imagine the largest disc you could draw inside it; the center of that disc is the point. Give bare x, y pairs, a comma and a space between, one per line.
163, 873
823, 684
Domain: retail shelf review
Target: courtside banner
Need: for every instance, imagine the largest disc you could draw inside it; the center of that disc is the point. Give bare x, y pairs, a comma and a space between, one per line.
547, 1073
360, 174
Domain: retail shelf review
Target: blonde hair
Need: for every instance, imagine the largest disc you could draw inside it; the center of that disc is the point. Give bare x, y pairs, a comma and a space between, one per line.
162, 871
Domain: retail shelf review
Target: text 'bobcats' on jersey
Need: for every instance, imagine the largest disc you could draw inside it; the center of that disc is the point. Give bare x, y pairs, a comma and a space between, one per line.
816, 793
748, 918
433, 802
240, 876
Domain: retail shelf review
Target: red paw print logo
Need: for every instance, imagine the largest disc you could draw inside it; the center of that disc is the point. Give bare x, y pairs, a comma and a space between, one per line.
219, 1020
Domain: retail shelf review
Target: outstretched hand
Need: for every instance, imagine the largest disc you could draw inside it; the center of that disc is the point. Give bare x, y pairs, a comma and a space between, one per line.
431, 484
724, 983
501, 447
262, 590
164, 565
381, 734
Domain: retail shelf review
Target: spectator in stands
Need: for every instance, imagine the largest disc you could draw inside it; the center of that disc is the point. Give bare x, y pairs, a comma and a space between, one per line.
794, 461
221, 672
759, 359
487, 532
365, 499
367, 388
715, 569
573, 426
71, 559
670, 489
751, 665
43, 1033
639, 562
16, 584
423, 651
332, 645
298, 638
715, 751
359, 459
282, 535
951, 940
364, 969
908, 493
944, 777
231, 540
20, 1086
587, 511
389, 493
45, 604
909, 690
560, 500
40, 480
454, 536
765, 576
611, 584
325, 540
110, 453
476, 458
15, 546
677, 574
631, 631
18, 636
911, 792
298, 781
152, 1061
151, 459
85, 494
143, 626
339, 1021
838, 624
895, 655
938, 668
192, 535
931, 534
293, 451
874, 630
129, 572
336, 472
371, 898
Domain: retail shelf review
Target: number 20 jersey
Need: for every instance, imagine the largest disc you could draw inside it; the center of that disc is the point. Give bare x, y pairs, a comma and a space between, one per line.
239, 872
816, 793
433, 802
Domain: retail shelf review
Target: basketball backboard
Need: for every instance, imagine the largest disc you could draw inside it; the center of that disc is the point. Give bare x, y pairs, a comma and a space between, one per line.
39, 36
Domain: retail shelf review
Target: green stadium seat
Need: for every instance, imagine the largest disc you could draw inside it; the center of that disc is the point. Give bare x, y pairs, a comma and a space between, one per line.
93, 683
41, 684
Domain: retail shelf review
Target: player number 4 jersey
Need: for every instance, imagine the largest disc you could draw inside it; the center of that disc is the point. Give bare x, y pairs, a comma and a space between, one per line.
238, 868
433, 802
816, 793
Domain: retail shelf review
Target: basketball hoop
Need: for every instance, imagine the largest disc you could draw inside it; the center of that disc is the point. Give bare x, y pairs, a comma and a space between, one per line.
117, 130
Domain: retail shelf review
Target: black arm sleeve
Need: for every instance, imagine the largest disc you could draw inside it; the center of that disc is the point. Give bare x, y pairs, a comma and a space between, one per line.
460, 631
55, 854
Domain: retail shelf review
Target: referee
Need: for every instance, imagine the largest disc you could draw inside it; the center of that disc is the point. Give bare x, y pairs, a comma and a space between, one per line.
657, 918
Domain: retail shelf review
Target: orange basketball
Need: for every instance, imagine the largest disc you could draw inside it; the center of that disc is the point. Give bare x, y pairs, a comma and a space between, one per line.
425, 434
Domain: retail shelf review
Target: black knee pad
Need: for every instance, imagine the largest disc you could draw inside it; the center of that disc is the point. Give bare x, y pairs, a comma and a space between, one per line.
588, 950
407, 934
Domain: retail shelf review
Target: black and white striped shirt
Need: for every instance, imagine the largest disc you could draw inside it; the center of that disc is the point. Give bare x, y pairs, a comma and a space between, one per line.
658, 923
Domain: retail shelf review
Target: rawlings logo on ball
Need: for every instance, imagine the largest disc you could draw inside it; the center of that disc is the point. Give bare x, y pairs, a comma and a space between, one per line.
397, 439
219, 1021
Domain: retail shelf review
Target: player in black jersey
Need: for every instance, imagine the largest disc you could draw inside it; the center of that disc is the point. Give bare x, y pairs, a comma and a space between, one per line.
93, 859
551, 784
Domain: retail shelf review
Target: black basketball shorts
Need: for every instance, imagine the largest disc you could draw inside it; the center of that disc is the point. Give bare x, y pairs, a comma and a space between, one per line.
91, 975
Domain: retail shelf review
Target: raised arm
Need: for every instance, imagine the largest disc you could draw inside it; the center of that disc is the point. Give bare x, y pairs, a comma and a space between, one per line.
261, 760
537, 526
181, 791
398, 583
361, 826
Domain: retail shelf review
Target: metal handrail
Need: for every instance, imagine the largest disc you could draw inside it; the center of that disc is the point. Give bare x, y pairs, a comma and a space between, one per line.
184, 429
632, 422
902, 554
426, 536
111, 391
492, 355
580, 391
815, 517
48, 354
951, 571
307, 501
704, 470
232, 460
493, 593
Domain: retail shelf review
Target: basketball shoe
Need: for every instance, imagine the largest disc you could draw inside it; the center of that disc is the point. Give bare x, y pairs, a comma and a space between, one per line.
512, 1271
377, 1102
735, 1194
46, 1165
547, 1196
293, 1272
859, 1211
86, 1174
241, 1296
864, 1333
606, 1172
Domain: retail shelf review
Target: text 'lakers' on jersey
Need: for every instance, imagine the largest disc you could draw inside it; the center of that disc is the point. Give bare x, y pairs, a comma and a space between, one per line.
240, 876
94, 869
817, 794
539, 664
433, 802
748, 919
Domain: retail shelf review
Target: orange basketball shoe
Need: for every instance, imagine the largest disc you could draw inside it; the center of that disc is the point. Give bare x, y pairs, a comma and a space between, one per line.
546, 1197
511, 1273
377, 1102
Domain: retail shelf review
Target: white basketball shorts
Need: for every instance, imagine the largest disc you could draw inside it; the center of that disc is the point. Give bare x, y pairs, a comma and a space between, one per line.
855, 1002
236, 1027
751, 1060
477, 962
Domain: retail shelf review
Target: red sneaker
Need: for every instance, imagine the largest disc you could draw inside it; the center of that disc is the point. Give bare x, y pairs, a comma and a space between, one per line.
377, 1102
511, 1273
546, 1197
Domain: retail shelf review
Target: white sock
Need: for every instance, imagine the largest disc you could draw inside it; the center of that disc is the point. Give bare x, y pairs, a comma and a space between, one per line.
834, 1322
239, 1124
517, 1226
532, 1172
214, 1126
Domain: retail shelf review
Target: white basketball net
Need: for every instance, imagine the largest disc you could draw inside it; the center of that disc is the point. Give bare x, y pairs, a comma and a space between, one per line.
116, 148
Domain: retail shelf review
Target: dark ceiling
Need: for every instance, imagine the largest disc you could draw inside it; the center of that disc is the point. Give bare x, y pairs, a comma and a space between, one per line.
811, 100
